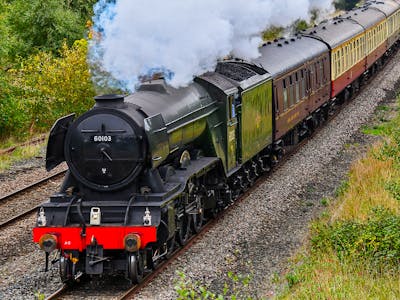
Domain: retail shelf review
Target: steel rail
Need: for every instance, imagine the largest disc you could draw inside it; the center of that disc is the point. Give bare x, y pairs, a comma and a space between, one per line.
28, 143
31, 186
57, 294
22, 191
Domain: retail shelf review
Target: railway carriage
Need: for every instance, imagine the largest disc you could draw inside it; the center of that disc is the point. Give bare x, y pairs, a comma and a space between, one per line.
358, 41
300, 70
146, 170
392, 13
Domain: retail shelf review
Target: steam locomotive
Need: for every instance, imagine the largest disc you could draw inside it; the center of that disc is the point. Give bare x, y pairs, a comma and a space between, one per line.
147, 170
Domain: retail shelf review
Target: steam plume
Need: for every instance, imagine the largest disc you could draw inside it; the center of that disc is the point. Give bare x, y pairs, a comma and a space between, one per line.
184, 38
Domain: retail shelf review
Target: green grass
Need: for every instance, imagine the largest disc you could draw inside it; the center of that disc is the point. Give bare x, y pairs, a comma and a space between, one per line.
325, 276
19, 154
354, 247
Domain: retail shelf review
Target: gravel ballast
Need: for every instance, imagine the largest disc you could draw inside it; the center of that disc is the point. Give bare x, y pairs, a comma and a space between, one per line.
258, 235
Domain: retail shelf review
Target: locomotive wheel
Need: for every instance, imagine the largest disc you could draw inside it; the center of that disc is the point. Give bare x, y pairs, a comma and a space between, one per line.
183, 233
198, 219
135, 267
65, 269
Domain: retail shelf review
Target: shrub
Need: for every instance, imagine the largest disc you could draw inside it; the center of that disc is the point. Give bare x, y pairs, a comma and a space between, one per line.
236, 288
48, 87
345, 4
12, 115
376, 241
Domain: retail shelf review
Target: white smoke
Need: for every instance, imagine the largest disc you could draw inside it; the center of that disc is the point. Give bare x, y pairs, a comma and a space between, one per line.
184, 38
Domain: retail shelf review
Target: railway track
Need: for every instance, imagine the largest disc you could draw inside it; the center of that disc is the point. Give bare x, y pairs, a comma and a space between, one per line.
57, 294
36, 141
24, 190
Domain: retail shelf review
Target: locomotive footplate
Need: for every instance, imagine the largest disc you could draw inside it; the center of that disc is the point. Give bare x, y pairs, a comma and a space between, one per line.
95, 259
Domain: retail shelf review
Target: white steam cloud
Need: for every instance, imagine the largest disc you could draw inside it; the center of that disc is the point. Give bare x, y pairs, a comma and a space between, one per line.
184, 38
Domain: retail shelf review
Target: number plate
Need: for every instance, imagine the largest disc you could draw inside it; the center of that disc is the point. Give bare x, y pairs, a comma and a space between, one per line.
102, 138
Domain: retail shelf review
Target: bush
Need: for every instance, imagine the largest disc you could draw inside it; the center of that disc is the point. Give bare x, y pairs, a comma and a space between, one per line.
45, 88
345, 4
236, 288
272, 33
12, 115
376, 241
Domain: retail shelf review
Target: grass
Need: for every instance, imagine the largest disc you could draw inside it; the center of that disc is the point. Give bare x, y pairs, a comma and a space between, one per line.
366, 189
19, 154
325, 276
354, 247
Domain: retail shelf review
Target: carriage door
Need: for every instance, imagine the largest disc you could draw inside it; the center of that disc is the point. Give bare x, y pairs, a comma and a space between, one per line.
232, 138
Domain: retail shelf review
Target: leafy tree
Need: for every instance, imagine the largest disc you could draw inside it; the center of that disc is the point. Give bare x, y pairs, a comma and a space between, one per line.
345, 4
42, 25
272, 33
13, 117
3, 33
83, 7
300, 25
48, 87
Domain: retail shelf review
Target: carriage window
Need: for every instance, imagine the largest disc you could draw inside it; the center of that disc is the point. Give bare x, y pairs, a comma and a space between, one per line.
321, 73
342, 62
317, 74
291, 91
285, 96
303, 84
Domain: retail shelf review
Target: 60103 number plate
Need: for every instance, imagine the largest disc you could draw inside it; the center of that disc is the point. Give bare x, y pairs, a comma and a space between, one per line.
102, 138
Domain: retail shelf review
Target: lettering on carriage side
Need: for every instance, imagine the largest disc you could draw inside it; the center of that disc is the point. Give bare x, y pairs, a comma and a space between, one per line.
293, 117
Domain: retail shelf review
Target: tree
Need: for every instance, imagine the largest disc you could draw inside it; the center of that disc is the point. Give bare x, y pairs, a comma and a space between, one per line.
3, 33
42, 25
300, 25
272, 33
345, 4
83, 7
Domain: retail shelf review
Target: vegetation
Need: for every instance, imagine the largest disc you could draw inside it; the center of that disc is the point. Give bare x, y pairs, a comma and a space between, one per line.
43, 69
345, 4
272, 33
43, 25
354, 251
43, 88
235, 288
21, 153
